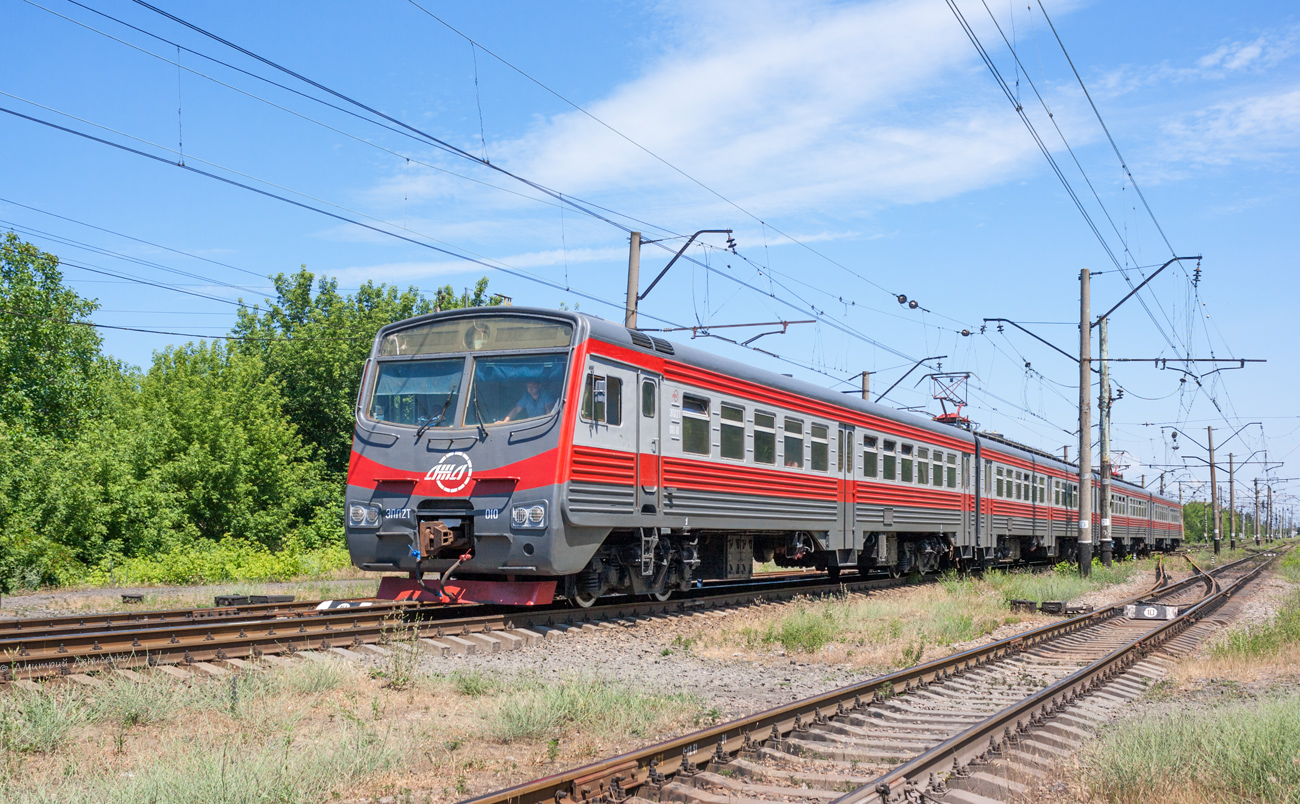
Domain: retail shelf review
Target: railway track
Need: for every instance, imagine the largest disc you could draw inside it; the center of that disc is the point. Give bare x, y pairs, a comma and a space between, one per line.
80, 645
974, 727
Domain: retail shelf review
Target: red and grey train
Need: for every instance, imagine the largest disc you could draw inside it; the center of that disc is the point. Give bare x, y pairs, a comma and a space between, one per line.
515, 455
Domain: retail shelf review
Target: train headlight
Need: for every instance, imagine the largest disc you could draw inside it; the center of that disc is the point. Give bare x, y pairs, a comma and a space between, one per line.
363, 516
529, 516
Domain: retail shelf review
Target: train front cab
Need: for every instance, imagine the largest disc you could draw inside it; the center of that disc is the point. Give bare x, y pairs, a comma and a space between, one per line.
457, 454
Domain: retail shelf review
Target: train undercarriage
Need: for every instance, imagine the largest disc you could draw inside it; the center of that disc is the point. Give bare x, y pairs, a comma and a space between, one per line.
655, 562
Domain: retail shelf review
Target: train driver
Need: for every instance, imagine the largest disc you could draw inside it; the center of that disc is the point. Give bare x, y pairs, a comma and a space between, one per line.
534, 402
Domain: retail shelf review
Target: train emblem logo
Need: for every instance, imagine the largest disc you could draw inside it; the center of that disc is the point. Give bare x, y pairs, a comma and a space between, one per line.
452, 473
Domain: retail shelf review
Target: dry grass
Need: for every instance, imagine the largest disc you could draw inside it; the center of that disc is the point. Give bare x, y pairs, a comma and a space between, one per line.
891, 629
897, 627
318, 731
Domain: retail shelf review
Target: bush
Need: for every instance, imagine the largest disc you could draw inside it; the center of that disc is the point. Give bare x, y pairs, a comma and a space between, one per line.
230, 559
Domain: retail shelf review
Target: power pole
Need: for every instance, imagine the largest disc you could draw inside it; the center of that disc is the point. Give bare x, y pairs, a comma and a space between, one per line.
1085, 426
1255, 527
1214, 493
1103, 419
633, 280
1232, 505
1270, 513
866, 386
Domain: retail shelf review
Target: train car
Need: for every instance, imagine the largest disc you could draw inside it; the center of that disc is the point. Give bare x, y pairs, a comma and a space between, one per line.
514, 455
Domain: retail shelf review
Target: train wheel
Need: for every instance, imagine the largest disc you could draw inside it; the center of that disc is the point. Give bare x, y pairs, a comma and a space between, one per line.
895, 571
662, 596
585, 599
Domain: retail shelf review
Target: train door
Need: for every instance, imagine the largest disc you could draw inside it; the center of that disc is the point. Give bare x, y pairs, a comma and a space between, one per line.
847, 487
968, 502
649, 449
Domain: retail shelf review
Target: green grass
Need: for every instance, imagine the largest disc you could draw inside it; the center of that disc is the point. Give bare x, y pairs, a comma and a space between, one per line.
958, 614
314, 676
591, 705
1063, 582
1289, 566
1266, 639
473, 683
39, 722
1241, 752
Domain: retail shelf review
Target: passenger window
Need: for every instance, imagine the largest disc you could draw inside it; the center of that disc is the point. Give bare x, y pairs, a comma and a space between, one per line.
764, 438
733, 432
906, 474
1000, 481
794, 443
869, 456
923, 472
938, 468
821, 459
952, 470
695, 425
889, 461
648, 398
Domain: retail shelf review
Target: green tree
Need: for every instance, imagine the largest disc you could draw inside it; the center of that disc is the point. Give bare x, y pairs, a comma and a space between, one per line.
217, 441
49, 366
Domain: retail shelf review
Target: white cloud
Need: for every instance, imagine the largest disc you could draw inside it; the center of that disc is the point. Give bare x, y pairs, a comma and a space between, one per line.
785, 107
1258, 127
1230, 60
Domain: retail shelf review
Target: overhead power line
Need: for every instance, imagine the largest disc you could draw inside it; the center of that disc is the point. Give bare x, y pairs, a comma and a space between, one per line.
568, 200
409, 131
650, 153
165, 332
136, 239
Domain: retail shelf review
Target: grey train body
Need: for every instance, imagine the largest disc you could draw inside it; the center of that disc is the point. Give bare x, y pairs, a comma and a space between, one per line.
655, 464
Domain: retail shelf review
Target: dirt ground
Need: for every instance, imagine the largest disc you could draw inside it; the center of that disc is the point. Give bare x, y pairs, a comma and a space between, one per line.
446, 725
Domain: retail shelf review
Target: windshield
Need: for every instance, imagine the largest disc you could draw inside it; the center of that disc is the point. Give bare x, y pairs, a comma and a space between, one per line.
417, 392
516, 387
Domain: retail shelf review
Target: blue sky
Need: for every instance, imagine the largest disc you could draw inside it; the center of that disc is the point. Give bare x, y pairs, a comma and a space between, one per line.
870, 133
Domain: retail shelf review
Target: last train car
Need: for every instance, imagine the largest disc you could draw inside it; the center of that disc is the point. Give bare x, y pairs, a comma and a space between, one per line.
514, 455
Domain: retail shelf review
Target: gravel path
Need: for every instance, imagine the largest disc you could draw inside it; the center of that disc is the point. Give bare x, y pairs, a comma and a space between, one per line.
735, 685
